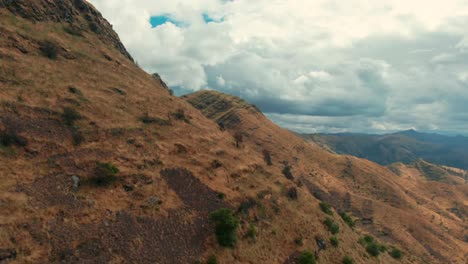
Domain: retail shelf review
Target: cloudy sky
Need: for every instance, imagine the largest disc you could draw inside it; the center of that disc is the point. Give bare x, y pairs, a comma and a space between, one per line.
311, 65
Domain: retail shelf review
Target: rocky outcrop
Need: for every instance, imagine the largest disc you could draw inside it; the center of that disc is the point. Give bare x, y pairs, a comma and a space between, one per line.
78, 14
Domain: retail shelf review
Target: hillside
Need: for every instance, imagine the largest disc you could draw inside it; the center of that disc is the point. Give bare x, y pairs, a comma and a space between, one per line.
406, 146
101, 164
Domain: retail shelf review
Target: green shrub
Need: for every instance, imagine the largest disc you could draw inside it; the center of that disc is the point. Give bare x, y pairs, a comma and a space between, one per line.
105, 174
348, 260
326, 208
49, 49
70, 116
335, 228
252, 232
212, 260
11, 138
373, 249
306, 257
368, 239
334, 241
396, 253
328, 222
332, 226
226, 227
347, 219
221, 195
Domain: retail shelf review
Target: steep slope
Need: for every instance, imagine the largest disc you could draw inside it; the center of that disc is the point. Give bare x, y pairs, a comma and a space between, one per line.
381, 201
100, 164
406, 146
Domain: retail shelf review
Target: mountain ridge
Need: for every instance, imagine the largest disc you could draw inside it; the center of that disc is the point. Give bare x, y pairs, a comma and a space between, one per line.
405, 146
101, 164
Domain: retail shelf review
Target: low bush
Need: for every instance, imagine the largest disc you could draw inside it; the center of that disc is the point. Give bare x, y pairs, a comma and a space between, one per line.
226, 227
252, 232
395, 253
306, 257
326, 208
11, 138
334, 241
105, 174
373, 249
288, 173
74, 90
347, 219
221, 195
334, 229
348, 260
368, 239
70, 116
146, 119
49, 49
332, 226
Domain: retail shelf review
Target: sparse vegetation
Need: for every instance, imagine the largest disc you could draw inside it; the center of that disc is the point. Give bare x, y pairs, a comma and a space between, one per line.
332, 226
226, 227
146, 119
49, 49
105, 174
306, 257
70, 116
395, 253
347, 219
326, 208
372, 247
348, 260
334, 241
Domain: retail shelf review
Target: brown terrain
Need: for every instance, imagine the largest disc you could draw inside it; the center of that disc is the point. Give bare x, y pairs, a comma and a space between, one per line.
74, 106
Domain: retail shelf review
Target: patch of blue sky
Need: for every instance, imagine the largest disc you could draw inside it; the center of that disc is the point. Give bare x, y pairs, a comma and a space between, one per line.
208, 19
157, 21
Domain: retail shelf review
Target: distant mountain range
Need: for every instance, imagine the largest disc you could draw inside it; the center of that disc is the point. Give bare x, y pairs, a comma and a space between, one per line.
405, 146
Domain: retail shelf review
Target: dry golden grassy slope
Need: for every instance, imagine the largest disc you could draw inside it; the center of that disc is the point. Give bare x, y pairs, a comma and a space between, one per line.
427, 218
173, 162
